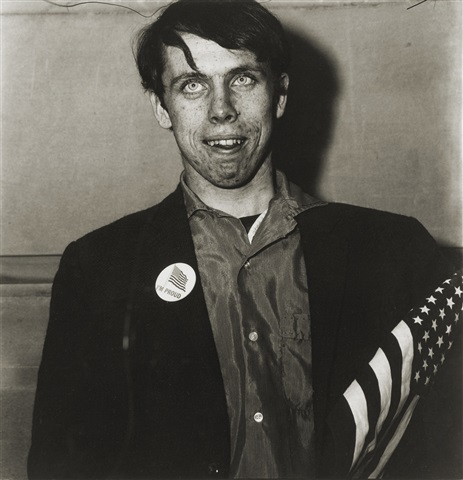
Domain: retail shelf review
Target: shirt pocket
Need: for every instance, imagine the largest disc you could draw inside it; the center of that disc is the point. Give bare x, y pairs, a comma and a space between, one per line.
296, 361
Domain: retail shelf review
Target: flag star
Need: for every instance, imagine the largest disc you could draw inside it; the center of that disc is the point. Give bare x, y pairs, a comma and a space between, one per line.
435, 369
457, 317
418, 320
440, 290
424, 309
449, 329
426, 336
441, 313
450, 302
442, 359
431, 299
440, 341
417, 376
450, 345
434, 325
425, 365
458, 291
431, 353
420, 347
447, 281
427, 381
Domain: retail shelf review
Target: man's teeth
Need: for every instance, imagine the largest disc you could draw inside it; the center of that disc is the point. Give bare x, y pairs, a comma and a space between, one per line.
225, 143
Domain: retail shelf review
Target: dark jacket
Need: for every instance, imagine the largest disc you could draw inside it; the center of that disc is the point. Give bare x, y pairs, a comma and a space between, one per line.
158, 408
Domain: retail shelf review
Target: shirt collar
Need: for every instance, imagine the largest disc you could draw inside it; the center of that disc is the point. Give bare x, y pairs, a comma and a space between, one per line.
289, 197
192, 202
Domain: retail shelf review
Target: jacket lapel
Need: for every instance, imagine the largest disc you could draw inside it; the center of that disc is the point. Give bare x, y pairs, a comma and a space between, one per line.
167, 240
175, 349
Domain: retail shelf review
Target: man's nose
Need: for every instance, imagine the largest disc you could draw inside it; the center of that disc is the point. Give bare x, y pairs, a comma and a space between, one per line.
222, 108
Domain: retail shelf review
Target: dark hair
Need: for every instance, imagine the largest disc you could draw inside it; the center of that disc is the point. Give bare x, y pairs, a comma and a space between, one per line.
233, 24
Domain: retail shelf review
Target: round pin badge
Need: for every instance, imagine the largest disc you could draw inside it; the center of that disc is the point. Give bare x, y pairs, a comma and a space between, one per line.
175, 282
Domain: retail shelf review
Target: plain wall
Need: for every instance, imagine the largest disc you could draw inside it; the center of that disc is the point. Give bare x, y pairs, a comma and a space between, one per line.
375, 118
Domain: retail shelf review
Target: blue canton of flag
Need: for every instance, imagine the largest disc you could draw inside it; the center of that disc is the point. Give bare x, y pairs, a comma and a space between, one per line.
433, 328
375, 410
178, 278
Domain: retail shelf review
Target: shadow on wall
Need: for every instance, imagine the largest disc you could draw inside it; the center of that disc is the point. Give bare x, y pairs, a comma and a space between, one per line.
304, 133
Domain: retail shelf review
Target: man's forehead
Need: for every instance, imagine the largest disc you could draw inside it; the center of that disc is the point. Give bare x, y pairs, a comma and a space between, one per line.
209, 57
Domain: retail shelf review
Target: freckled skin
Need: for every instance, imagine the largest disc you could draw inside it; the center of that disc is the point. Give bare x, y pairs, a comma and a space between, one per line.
232, 98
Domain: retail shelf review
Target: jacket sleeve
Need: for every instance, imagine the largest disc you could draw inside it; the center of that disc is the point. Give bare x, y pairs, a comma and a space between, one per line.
432, 445
394, 266
56, 406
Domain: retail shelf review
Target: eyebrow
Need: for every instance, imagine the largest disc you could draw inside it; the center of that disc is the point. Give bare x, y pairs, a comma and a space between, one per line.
247, 69
187, 76
197, 75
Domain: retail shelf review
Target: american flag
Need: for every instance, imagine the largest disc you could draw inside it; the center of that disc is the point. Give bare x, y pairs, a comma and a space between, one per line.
372, 415
178, 278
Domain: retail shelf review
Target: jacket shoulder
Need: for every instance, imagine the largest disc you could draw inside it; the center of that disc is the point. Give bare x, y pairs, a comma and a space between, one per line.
347, 211
118, 242
373, 247
130, 226
361, 223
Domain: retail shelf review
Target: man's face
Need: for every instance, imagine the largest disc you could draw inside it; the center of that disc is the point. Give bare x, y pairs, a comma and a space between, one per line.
222, 115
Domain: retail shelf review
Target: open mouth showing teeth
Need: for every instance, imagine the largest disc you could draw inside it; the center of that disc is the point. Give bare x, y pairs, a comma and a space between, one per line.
225, 143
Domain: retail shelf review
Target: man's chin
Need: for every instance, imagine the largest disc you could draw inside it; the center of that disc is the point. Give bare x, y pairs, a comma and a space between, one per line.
230, 182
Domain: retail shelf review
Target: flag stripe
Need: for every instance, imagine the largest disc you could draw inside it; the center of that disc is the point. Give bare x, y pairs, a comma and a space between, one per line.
380, 366
405, 339
394, 441
393, 352
396, 353
358, 405
369, 384
391, 437
178, 278
179, 285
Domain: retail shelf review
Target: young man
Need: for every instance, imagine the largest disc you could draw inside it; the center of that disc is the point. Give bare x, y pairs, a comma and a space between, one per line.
217, 333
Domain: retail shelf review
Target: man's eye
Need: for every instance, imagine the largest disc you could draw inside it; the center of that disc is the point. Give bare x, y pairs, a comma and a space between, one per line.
243, 81
193, 87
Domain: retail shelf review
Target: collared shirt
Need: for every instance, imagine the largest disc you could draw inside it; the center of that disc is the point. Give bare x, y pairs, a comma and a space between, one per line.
256, 293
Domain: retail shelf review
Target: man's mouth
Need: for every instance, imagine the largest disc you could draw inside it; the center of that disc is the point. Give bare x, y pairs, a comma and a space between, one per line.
225, 143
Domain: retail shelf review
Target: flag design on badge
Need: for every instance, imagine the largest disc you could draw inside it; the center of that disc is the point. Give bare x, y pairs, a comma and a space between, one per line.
178, 278
175, 282
371, 417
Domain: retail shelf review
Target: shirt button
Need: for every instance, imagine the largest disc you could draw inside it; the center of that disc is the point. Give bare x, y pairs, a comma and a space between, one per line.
253, 336
247, 265
258, 417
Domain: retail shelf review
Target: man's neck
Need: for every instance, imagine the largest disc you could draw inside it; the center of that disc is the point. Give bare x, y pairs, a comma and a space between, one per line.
250, 199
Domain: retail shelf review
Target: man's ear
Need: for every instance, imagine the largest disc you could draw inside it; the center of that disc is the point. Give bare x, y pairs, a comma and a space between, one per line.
282, 95
161, 114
